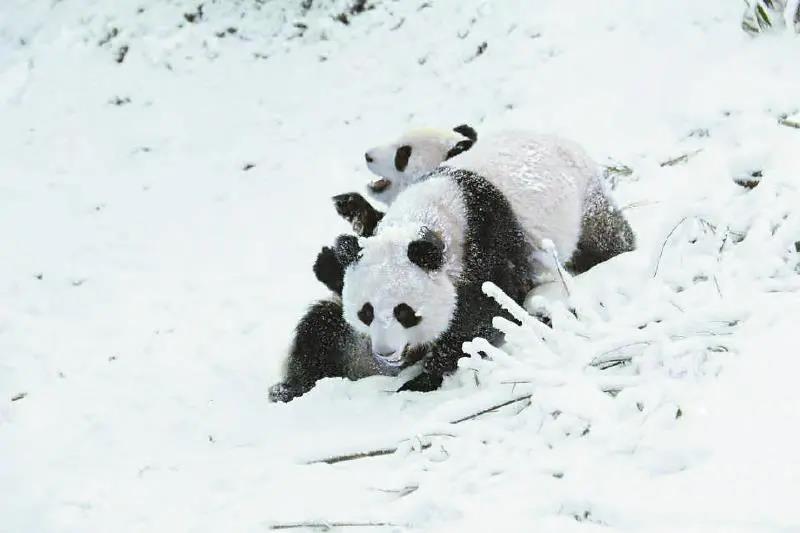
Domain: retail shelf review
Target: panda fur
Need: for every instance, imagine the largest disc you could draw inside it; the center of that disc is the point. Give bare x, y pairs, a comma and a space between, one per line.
415, 288
572, 208
414, 154
425, 266
324, 344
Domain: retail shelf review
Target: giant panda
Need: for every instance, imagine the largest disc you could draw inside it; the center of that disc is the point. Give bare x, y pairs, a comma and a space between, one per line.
324, 344
413, 290
415, 287
591, 231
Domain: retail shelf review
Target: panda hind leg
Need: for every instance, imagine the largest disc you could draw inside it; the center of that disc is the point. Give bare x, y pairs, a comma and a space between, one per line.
318, 351
605, 233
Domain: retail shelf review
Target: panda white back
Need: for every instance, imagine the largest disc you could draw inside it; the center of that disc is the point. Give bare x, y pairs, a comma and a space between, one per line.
545, 179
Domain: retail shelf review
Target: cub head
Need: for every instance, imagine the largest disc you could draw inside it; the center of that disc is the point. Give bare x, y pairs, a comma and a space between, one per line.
398, 293
400, 163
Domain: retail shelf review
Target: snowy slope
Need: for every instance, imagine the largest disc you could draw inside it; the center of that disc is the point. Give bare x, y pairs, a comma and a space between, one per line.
149, 284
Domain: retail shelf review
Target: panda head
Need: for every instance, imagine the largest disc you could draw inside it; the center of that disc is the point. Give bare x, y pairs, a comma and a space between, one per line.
416, 153
399, 294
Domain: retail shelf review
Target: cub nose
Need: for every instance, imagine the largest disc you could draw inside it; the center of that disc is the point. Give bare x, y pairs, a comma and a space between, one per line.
368, 158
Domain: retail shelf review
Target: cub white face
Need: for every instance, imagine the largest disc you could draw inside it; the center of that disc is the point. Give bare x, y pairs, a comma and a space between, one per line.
398, 294
402, 162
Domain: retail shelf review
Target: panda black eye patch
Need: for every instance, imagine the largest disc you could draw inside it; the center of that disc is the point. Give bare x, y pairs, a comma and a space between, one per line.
366, 314
401, 158
406, 316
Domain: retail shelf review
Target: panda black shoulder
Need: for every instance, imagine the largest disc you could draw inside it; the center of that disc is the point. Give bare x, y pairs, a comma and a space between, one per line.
492, 231
495, 249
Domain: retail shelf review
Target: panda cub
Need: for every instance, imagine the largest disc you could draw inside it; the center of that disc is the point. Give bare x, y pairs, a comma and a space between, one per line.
574, 210
413, 290
415, 287
402, 162
398, 165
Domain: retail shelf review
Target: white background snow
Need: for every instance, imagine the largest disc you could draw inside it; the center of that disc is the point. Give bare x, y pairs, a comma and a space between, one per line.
149, 285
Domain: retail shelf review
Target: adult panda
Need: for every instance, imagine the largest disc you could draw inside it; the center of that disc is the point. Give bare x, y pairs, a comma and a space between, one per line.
575, 210
413, 290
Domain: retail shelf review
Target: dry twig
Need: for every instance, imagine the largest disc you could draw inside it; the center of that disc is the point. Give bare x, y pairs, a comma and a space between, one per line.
492, 409
664, 244
327, 526
680, 159
424, 446
360, 455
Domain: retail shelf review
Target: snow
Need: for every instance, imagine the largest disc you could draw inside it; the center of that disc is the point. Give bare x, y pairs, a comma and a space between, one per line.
149, 284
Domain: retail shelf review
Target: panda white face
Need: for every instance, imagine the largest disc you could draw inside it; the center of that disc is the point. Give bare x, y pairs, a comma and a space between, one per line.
398, 294
401, 163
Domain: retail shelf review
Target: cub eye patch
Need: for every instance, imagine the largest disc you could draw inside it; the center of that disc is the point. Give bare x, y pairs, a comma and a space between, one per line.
406, 316
366, 314
401, 158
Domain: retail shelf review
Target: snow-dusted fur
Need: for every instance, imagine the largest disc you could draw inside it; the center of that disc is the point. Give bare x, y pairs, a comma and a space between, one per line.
429, 147
385, 276
324, 345
554, 187
544, 177
470, 235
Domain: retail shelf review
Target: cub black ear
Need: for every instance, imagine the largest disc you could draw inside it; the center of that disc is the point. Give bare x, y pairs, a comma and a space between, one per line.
427, 252
460, 147
347, 249
467, 131
401, 157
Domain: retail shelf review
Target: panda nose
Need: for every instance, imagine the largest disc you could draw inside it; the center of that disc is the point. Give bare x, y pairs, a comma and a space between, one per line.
368, 158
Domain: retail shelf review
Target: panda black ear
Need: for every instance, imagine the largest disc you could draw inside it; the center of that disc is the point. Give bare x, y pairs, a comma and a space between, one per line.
467, 131
427, 252
347, 249
401, 157
460, 147
332, 262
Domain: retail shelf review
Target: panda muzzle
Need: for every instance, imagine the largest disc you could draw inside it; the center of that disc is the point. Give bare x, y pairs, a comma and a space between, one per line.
390, 358
379, 185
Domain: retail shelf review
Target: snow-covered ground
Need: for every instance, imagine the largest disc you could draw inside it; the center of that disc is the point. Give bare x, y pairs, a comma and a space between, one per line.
149, 283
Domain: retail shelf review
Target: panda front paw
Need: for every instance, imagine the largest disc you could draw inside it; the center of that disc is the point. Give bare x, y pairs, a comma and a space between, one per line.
423, 383
284, 392
329, 270
358, 212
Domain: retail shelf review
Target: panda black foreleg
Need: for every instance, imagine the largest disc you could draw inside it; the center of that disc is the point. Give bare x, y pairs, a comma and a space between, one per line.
473, 318
358, 212
422, 383
318, 351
